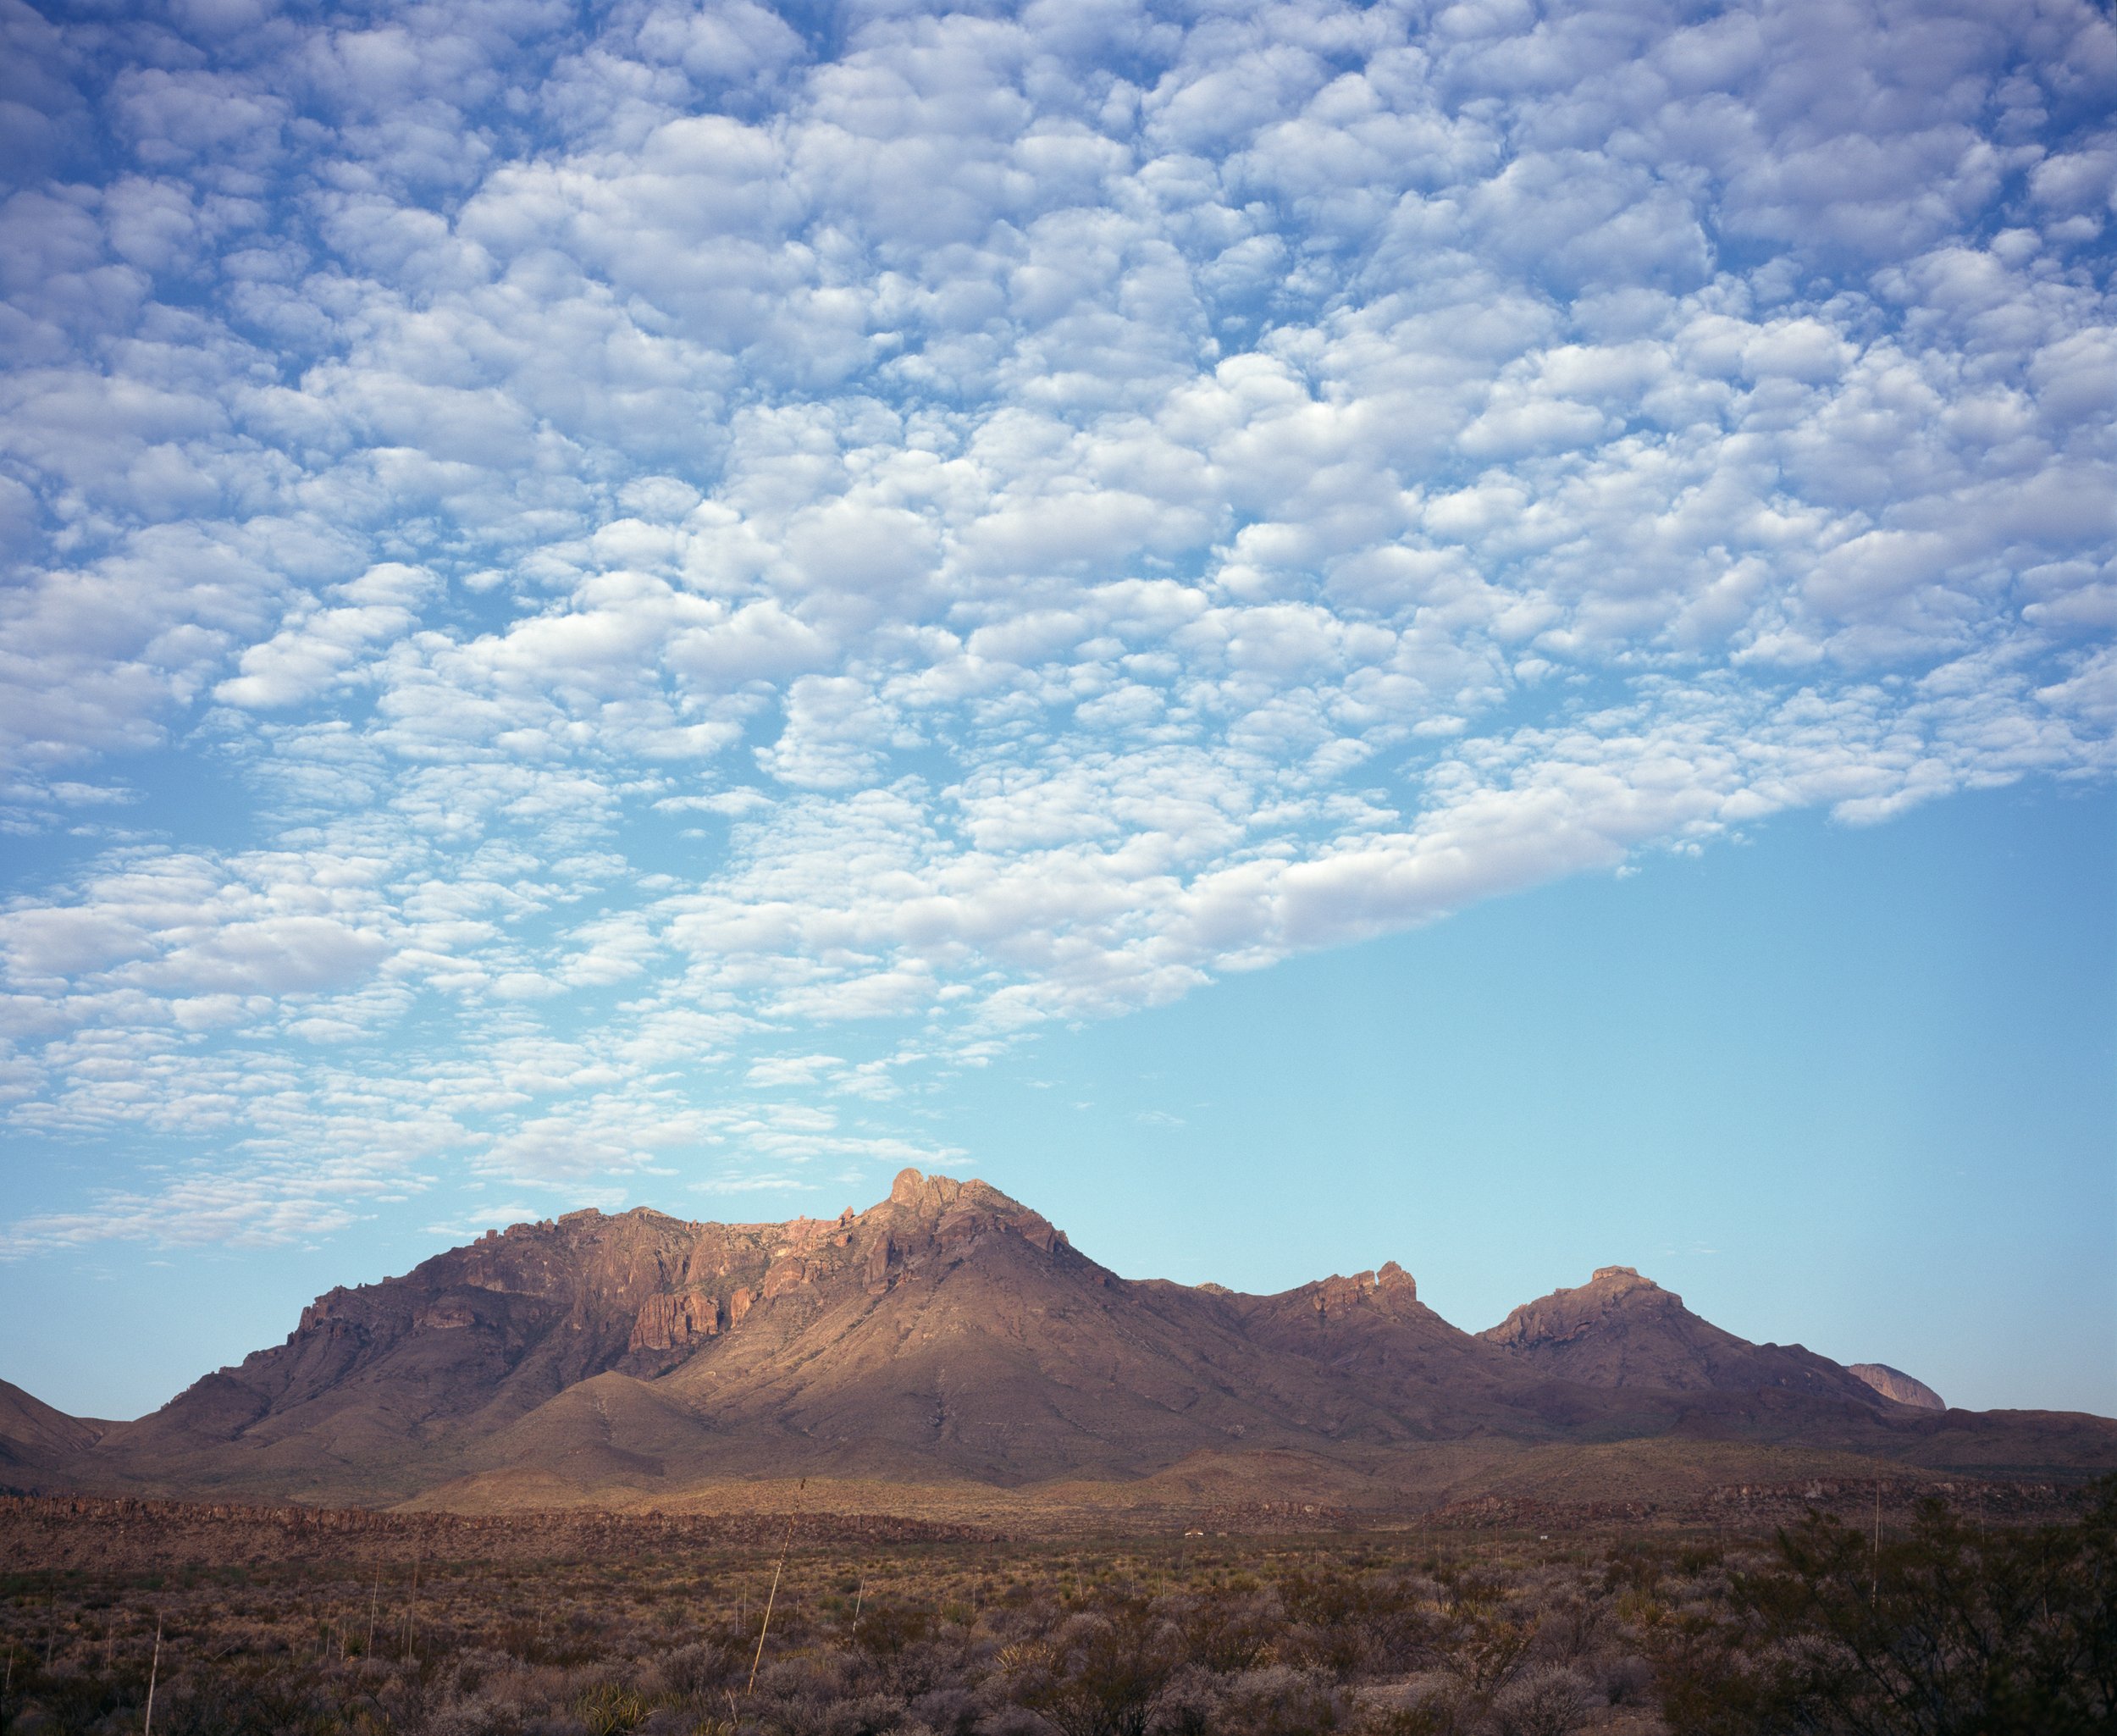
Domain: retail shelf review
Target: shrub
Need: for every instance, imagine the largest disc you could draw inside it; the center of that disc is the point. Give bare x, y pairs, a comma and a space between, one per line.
1543, 1701
1942, 1633
609, 1710
1104, 1674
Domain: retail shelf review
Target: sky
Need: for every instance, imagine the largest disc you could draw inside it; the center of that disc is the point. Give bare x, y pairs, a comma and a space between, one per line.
1476, 634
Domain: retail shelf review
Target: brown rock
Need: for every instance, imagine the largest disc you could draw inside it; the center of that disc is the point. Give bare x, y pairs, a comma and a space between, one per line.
675, 1321
876, 1271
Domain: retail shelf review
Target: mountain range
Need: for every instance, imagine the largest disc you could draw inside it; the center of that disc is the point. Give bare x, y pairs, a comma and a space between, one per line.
950, 1338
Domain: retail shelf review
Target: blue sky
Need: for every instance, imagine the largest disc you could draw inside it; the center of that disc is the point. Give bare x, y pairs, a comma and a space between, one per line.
1487, 623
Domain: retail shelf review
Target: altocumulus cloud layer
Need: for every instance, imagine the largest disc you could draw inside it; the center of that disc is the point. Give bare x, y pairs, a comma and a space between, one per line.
590, 597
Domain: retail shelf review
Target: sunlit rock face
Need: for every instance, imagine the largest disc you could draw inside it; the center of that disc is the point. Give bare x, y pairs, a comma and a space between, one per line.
1894, 1385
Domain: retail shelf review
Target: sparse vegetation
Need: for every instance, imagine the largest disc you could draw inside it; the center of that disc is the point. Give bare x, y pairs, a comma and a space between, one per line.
1946, 1629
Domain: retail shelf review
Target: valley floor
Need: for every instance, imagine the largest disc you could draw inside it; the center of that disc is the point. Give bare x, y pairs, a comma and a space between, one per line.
824, 1623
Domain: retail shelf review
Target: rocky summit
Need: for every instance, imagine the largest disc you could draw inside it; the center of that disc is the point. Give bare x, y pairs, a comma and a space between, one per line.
1621, 1329
950, 1336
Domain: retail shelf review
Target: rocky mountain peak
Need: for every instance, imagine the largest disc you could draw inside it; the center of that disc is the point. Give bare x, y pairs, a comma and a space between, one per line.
910, 1185
958, 1214
1566, 1315
1387, 1289
931, 1195
1392, 1283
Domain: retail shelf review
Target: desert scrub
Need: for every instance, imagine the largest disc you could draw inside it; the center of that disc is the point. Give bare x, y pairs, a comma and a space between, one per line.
1371, 1636
1947, 1630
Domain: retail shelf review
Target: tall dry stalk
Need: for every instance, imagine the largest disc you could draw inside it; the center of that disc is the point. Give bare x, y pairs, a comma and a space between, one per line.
765, 1626
154, 1669
1874, 1588
412, 1616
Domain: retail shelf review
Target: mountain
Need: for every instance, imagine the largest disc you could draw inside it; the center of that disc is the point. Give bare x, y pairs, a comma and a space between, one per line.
948, 1330
1895, 1384
950, 1336
1620, 1330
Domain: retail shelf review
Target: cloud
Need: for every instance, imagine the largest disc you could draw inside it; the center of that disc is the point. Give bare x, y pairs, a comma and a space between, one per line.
660, 571
318, 647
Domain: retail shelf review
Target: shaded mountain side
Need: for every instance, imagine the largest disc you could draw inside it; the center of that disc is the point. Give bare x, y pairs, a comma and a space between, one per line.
1620, 1330
485, 1333
1894, 1383
369, 1389
37, 1442
29, 1425
951, 1335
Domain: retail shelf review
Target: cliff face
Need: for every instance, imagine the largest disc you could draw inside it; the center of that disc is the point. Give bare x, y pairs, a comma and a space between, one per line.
947, 1332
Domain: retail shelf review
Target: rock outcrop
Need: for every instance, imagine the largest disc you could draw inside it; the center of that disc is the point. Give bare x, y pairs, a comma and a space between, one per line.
1899, 1387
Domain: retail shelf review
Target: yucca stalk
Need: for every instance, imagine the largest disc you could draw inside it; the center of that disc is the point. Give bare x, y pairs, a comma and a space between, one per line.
765, 1626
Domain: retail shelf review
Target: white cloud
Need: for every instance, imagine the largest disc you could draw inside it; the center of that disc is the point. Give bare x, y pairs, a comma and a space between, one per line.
668, 533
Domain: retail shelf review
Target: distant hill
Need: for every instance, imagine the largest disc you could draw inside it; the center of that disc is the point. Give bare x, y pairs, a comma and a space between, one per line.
1621, 1329
35, 1441
950, 1336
